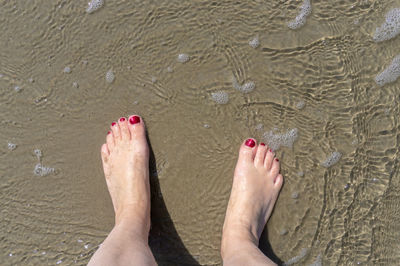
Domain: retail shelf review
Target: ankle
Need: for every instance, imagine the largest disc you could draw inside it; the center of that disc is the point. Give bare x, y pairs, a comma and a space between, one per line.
234, 238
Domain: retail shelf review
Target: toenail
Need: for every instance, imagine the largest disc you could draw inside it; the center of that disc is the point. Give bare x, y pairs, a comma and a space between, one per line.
109, 132
270, 150
134, 120
113, 124
262, 144
250, 143
122, 119
276, 159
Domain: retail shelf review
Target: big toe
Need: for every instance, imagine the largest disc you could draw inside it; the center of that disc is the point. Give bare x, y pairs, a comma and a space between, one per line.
137, 129
247, 151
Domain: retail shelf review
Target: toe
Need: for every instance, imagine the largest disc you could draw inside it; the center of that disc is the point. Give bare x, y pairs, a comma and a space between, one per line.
248, 150
136, 127
123, 126
275, 167
110, 141
269, 157
260, 155
278, 182
116, 131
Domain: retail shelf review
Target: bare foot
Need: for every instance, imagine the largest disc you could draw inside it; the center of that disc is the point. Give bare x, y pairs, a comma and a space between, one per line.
125, 159
255, 188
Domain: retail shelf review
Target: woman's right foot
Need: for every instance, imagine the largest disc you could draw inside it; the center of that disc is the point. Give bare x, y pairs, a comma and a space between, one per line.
255, 188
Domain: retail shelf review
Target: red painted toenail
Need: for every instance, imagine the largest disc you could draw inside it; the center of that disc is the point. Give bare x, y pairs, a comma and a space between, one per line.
122, 119
109, 132
276, 159
113, 124
134, 120
250, 142
270, 150
262, 144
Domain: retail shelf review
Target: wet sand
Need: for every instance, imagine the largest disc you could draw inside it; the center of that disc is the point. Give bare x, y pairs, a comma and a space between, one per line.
318, 79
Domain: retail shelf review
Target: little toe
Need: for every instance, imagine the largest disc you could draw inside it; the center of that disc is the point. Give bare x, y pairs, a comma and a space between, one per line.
269, 157
116, 131
248, 150
123, 126
110, 141
275, 167
260, 155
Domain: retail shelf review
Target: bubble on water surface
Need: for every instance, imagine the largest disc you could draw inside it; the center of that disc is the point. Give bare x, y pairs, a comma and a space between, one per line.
153, 79
38, 153
169, 69
276, 140
11, 146
206, 126
183, 58
390, 74
31, 80
67, 70
220, 97
390, 28
80, 240
245, 88
17, 88
41, 170
332, 159
110, 76
301, 18
94, 5
300, 104
59, 262
10, 255
295, 195
75, 84
254, 43
259, 127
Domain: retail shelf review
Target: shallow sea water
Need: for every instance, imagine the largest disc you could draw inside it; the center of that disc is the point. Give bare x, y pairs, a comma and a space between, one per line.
319, 79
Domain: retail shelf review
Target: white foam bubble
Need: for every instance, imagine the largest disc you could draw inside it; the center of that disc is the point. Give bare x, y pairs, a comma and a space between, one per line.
11, 146
94, 5
59, 262
296, 259
254, 43
295, 195
38, 153
17, 88
275, 140
67, 70
153, 79
332, 159
245, 88
220, 97
301, 18
110, 76
41, 170
390, 74
183, 58
300, 104
75, 84
390, 28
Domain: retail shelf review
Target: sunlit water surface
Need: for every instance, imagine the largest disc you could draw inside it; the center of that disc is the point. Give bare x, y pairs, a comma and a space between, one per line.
204, 75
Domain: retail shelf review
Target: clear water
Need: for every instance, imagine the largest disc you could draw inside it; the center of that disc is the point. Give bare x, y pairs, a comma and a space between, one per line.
319, 79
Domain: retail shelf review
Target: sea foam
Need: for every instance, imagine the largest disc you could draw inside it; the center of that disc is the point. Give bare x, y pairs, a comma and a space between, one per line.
390, 28
390, 74
276, 140
220, 97
254, 43
41, 170
94, 5
110, 76
332, 159
301, 18
183, 58
245, 88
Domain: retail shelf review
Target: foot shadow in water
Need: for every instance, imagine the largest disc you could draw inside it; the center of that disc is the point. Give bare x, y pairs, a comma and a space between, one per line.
164, 241
266, 248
